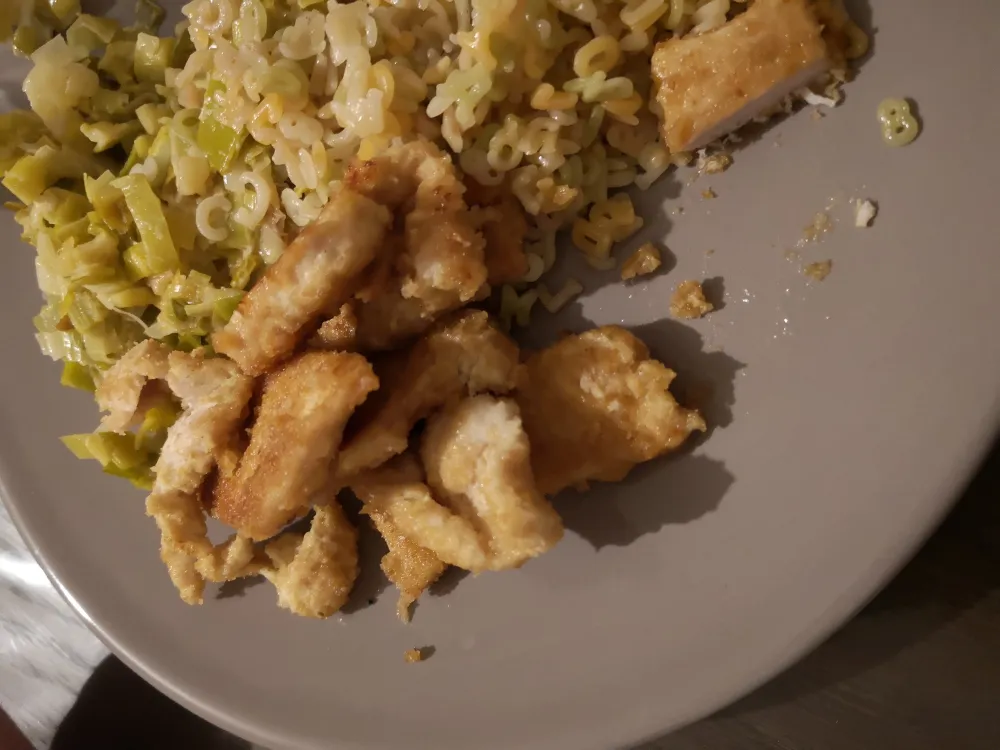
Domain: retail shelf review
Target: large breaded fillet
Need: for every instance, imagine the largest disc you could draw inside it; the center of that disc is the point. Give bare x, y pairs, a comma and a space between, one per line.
478, 463
303, 409
714, 83
595, 405
318, 271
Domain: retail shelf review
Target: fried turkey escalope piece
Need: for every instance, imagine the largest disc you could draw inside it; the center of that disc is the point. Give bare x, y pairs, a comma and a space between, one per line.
408, 566
304, 407
594, 405
315, 572
464, 355
439, 265
398, 491
215, 397
478, 463
318, 271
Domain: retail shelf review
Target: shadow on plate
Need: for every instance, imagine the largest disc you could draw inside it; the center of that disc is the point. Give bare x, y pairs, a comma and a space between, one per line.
957, 568
929, 633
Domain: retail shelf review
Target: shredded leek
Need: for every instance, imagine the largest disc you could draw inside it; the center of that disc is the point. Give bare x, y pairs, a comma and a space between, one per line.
108, 202
77, 376
105, 135
119, 61
153, 431
152, 57
94, 171
147, 213
149, 116
117, 454
92, 32
149, 16
63, 345
220, 143
18, 131
64, 10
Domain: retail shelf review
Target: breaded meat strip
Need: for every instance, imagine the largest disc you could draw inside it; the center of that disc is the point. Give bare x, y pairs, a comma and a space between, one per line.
714, 83
478, 463
595, 405
120, 391
441, 265
398, 491
318, 271
462, 356
214, 395
237, 557
315, 572
408, 566
303, 409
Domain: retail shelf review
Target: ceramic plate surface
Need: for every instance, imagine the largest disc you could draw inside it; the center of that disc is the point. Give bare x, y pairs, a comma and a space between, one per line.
847, 416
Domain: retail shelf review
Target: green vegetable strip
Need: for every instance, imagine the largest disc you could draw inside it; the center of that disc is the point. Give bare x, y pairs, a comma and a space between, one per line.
153, 431
117, 454
92, 32
152, 57
119, 61
77, 376
108, 201
149, 16
105, 135
220, 143
66, 346
64, 10
147, 213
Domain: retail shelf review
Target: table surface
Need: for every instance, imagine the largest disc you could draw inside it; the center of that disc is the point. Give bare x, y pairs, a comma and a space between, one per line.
919, 668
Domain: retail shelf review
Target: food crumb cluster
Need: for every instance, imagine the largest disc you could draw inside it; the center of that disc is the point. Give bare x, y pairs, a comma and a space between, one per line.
689, 302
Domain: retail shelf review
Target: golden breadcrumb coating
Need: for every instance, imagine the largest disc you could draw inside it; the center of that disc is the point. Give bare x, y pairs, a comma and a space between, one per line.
594, 405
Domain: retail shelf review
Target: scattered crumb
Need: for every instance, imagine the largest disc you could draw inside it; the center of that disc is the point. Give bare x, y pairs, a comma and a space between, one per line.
818, 271
820, 225
415, 655
708, 194
817, 100
710, 252
642, 262
792, 255
714, 164
688, 301
864, 213
817, 114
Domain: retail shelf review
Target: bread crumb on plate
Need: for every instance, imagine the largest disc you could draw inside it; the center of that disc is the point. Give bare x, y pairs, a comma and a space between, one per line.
642, 262
864, 213
820, 225
414, 655
819, 270
688, 301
